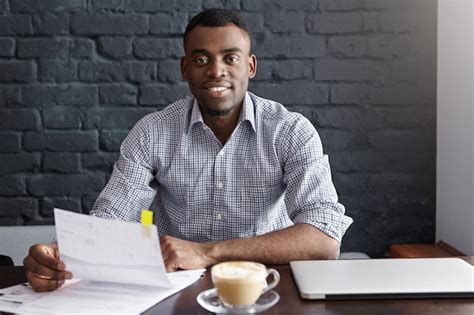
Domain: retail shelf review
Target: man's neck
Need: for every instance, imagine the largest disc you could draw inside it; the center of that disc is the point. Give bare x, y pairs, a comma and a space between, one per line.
223, 126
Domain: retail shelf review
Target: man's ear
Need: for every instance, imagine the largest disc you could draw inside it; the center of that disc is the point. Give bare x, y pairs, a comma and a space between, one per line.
184, 68
252, 66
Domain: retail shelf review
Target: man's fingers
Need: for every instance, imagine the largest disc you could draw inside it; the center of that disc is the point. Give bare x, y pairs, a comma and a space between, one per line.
46, 255
40, 284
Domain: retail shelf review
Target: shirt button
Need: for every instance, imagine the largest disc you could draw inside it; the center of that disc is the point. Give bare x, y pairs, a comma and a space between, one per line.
221, 153
220, 185
219, 216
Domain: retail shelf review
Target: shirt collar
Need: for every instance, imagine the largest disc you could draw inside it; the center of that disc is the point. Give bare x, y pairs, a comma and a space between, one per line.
246, 114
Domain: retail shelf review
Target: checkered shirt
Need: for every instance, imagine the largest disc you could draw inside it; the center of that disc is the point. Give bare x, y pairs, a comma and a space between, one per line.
270, 174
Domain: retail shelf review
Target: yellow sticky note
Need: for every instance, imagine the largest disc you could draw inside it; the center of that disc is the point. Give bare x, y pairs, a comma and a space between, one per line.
146, 217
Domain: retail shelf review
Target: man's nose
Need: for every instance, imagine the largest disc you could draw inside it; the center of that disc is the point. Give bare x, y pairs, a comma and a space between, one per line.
216, 69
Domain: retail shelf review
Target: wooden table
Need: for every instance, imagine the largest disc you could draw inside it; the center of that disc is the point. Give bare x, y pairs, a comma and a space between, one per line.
184, 302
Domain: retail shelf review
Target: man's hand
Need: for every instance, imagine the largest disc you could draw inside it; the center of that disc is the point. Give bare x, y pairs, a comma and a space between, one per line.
180, 254
44, 270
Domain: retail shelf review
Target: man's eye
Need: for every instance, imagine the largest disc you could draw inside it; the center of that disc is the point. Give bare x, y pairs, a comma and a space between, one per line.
232, 59
201, 60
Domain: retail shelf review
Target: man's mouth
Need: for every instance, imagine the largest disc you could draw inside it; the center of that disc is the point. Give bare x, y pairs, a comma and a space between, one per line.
218, 88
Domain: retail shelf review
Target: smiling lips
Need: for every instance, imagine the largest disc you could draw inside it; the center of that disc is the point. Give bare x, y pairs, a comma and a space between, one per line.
216, 89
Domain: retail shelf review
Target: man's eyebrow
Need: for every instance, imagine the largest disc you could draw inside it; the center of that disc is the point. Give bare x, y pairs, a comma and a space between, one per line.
206, 52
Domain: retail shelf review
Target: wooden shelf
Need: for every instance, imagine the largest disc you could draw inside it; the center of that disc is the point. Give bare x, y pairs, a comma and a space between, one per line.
440, 249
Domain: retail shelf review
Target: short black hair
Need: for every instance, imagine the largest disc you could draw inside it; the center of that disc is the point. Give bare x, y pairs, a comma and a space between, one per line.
216, 18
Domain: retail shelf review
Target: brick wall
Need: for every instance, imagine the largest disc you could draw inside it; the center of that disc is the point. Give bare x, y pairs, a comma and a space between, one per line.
75, 75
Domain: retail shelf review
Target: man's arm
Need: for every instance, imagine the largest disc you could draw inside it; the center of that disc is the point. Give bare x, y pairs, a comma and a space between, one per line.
298, 242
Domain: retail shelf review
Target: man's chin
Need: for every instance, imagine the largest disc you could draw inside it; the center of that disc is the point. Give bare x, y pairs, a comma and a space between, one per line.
218, 112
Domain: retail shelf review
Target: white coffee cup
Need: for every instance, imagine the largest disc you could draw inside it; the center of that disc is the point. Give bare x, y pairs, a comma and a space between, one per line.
240, 283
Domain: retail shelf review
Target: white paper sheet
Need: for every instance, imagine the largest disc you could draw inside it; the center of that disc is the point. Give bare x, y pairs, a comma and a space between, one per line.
90, 297
110, 251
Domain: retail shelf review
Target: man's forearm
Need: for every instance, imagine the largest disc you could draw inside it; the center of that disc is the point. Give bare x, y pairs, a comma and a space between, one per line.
298, 242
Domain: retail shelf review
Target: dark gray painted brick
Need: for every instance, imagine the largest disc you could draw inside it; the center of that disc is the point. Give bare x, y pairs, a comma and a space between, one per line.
65, 184
387, 4
82, 49
57, 71
106, 4
336, 140
20, 119
10, 142
12, 185
169, 71
168, 23
118, 94
59, 95
140, 71
67, 203
254, 22
61, 141
292, 69
17, 71
405, 94
43, 48
145, 5
7, 47
228, 4
288, 21
101, 72
399, 141
264, 70
51, 25
349, 93
294, 92
406, 117
389, 21
61, 162
111, 140
3, 6
15, 24
114, 118
99, 160
334, 23
350, 70
88, 201
59, 117
115, 47
115, 24
360, 161
19, 207
346, 117
45, 6
18, 162
160, 94
152, 48
341, 5
9, 95
297, 46
303, 5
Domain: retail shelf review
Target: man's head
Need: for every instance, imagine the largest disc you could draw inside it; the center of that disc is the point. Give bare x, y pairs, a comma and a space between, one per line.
217, 62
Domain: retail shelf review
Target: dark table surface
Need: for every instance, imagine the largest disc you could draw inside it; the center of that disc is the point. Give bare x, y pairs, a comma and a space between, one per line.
184, 302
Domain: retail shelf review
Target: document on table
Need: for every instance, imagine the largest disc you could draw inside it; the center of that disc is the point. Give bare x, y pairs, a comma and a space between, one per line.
112, 251
117, 268
92, 297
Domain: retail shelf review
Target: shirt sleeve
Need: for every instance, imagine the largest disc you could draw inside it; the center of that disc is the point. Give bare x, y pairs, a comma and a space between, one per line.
128, 190
311, 196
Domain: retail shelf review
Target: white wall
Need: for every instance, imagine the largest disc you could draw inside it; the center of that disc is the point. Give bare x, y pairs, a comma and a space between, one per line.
455, 133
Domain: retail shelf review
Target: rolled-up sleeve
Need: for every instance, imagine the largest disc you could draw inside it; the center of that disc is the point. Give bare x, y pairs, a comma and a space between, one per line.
128, 190
311, 196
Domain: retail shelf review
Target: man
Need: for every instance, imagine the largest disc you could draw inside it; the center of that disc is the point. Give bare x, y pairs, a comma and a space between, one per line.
229, 175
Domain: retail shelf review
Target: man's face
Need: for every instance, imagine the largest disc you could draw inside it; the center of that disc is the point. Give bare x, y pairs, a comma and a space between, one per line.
218, 66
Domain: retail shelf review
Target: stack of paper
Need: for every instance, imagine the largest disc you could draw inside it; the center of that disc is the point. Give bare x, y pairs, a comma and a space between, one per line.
117, 268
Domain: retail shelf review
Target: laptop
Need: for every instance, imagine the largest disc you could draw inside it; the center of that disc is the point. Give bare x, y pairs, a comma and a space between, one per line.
383, 278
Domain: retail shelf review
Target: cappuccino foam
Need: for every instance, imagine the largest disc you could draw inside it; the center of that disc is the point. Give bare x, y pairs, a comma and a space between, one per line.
237, 270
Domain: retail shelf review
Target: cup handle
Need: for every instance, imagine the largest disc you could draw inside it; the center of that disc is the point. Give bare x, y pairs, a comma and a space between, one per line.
276, 279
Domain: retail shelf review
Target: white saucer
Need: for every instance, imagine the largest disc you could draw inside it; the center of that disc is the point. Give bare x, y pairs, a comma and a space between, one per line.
209, 300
